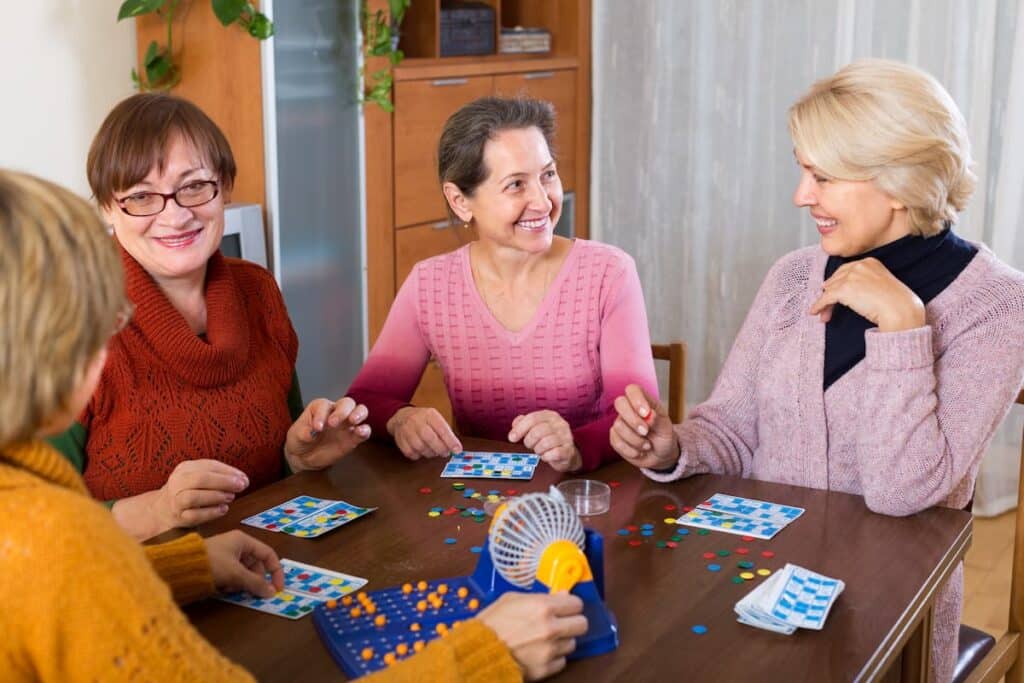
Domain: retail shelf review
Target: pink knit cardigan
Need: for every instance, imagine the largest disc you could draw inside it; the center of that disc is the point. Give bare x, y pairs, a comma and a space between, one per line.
586, 342
906, 427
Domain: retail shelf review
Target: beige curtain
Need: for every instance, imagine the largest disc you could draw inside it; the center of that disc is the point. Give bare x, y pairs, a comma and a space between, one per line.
692, 162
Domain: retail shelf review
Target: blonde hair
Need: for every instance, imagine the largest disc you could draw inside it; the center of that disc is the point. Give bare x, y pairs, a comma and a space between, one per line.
61, 290
885, 121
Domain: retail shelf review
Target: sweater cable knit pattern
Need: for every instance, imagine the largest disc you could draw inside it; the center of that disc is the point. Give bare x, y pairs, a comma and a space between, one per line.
906, 427
587, 340
168, 395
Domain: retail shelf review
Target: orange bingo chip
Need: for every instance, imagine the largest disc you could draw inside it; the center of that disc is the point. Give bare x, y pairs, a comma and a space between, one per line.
355, 612
418, 646
414, 626
421, 606
332, 604
380, 620
347, 600
407, 588
367, 653
389, 658
473, 604
442, 589
463, 592
402, 649
421, 586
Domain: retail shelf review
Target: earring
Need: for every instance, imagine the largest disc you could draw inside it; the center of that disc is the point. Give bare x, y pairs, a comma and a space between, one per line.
465, 223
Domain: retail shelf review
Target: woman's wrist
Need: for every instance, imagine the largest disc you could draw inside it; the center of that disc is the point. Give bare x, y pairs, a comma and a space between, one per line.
139, 515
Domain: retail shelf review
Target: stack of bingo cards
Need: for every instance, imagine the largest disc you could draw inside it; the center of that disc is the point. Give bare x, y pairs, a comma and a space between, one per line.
792, 598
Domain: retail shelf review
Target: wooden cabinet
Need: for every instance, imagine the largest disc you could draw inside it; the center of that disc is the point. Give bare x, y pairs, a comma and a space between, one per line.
406, 216
412, 245
421, 108
558, 88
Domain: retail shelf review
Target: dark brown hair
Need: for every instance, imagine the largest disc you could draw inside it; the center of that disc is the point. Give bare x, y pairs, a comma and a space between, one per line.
460, 152
134, 138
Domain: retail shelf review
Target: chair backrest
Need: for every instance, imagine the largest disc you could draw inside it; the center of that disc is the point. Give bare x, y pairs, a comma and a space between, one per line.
1005, 658
675, 354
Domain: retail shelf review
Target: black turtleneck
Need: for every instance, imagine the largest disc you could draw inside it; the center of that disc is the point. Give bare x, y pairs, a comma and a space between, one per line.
927, 265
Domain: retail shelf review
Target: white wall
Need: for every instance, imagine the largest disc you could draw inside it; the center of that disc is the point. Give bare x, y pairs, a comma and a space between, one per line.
63, 65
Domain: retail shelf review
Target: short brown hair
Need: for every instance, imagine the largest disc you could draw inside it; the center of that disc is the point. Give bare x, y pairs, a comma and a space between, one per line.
895, 125
460, 152
61, 290
134, 138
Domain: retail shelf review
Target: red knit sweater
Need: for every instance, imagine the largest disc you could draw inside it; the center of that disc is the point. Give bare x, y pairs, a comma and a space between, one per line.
167, 395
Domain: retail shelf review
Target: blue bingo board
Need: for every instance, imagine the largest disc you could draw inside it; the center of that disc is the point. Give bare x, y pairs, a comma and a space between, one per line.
483, 465
362, 644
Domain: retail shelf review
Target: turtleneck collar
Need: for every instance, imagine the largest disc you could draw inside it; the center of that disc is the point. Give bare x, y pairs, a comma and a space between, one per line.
927, 265
210, 361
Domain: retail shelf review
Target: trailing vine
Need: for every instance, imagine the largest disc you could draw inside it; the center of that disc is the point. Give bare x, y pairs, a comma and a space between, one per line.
380, 39
159, 72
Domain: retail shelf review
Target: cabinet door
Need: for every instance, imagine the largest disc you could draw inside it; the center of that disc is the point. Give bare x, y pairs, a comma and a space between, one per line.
421, 108
558, 88
423, 241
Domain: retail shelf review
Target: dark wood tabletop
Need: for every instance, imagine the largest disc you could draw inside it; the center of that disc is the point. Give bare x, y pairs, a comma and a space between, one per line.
892, 568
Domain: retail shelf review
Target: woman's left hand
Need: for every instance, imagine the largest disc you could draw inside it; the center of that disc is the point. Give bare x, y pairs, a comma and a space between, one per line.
548, 435
868, 288
325, 432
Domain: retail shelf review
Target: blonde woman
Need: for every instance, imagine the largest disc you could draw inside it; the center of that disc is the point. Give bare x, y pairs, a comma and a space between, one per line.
879, 361
82, 601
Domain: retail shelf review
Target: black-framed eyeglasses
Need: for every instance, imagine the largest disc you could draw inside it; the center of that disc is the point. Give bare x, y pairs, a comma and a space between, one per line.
187, 196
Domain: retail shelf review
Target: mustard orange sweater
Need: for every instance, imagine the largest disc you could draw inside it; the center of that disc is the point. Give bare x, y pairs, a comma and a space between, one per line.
82, 601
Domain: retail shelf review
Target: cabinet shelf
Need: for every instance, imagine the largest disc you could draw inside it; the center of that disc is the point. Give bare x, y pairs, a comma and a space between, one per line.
450, 67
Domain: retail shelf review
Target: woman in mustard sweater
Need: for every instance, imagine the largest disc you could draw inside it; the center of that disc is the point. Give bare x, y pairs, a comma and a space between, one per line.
82, 601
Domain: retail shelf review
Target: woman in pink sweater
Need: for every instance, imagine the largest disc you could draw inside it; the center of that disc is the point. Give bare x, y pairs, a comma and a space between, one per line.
880, 362
536, 334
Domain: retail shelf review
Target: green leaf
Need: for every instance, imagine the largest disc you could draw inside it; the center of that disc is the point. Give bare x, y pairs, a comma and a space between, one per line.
228, 11
397, 9
158, 69
134, 8
152, 52
261, 27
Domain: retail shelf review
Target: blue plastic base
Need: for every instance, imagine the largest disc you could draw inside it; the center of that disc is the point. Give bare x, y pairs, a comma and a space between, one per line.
346, 637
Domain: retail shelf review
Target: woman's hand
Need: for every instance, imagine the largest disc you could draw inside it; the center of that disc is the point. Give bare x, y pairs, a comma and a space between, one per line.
422, 433
548, 435
869, 289
326, 431
642, 434
240, 562
539, 629
197, 491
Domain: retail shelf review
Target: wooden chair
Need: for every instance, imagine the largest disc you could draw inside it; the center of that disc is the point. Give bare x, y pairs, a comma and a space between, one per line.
675, 354
1003, 657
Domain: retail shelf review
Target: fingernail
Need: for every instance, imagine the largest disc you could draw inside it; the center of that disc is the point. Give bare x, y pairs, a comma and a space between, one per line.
320, 426
647, 445
241, 482
229, 497
641, 430
512, 436
223, 509
313, 434
643, 411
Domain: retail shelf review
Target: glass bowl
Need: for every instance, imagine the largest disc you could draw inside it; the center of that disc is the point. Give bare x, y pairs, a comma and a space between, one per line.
587, 496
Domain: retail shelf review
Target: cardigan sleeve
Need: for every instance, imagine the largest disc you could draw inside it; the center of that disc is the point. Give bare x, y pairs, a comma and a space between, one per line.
184, 566
928, 419
392, 371
720, 435
471, 652
625, 359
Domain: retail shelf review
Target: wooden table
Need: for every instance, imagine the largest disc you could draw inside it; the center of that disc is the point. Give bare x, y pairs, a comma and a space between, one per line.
892, 568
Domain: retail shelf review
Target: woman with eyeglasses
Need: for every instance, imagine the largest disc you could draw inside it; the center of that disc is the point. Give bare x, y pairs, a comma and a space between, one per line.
199, 400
